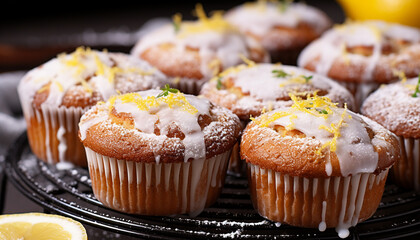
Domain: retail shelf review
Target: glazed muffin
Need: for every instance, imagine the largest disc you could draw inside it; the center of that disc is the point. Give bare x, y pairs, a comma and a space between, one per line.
248, 90
283, 28
194, 51
56, 94
158, 152
363, 55
396, 108
317, 165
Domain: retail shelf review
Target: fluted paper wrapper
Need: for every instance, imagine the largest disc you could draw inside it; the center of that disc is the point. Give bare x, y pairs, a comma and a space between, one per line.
53, 134
339, 202
406, 171
157, 188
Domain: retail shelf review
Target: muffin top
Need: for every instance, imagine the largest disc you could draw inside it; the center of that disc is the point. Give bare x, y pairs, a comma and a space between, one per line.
279, 24
197, 49
396, 107
84, 77
315, 138
368, 51
248, 89
159, 126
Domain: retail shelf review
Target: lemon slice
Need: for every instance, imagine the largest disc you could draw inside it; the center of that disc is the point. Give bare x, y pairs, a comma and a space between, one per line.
40, 226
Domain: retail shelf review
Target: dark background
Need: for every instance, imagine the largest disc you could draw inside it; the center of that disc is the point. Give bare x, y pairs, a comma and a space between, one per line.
32, 33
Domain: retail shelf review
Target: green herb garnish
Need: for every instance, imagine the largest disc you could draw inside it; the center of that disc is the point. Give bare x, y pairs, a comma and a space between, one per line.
219, 83
323, 111
280, 73
176, 21
417, 90
307, 78
284, 4
166, 90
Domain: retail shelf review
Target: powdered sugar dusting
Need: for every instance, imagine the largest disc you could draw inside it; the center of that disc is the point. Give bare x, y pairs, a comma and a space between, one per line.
260, 87
394, 107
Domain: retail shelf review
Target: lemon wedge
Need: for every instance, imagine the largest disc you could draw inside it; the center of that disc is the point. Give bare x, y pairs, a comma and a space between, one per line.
40, 226
398, 11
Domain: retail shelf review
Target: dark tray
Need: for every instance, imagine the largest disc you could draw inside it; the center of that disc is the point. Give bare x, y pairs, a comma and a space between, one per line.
69, 193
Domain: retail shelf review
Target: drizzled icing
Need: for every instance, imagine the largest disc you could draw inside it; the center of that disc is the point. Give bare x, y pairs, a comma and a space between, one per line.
262, 16
150, 111
338, 130
269, 85
373, 34
95, 71
213, 37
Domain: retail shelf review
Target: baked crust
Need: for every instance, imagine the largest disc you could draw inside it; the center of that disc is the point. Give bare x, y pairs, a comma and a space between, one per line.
117, 137
394, 107
240, 101
369, 51
292, 152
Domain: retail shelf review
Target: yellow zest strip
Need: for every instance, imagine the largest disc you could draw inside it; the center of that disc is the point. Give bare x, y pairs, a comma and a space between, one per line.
144, 104
313, 105
216, 23
215, 66
400, 74
335, 130
246, 60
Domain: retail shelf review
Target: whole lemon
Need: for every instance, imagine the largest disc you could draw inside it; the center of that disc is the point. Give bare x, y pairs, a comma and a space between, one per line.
399, 11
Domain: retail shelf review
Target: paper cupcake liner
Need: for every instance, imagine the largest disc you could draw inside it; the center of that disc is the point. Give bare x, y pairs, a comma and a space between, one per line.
360, 91
406, 171
339, 202
157, 189
53, 134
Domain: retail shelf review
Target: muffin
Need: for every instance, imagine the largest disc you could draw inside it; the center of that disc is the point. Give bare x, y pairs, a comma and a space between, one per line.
396, 107
158, 152
317, 165
362, 55
56, 94
196, 50
282, 28
247, 90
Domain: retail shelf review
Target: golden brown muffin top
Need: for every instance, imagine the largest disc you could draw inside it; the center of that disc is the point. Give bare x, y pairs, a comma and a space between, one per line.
315, 138
396, 107
84, 77
248, 89
279, 25
198, 49
159, 126
366, 51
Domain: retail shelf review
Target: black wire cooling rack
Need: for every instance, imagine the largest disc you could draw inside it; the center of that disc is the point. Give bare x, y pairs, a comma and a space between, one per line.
69, 193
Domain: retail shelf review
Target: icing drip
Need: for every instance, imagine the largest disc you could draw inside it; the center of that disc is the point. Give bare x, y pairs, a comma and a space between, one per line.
337, 129
334, 42
214, 38
149, 111
93, 70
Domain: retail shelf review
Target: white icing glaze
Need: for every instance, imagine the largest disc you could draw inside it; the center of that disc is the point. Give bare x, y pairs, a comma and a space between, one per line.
261, 87
369, 34
68, 70
227, 46
162, 116
354, 148
259, 18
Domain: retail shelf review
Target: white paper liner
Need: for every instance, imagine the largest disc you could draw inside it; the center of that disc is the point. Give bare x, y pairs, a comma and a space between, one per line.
406, 171
53, 134
318, 202
360, 91
157, 188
